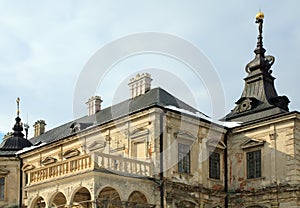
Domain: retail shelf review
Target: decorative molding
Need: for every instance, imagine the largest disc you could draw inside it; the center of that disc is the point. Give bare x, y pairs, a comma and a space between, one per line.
27, 167
3, 171
185, 135
272, 136
186, 203
169, 129
96, 145
139, 132
48, 160
214, 143
251, 143
71, 153
118, 149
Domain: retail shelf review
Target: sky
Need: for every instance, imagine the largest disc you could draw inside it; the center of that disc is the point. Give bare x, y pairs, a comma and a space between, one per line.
45, 45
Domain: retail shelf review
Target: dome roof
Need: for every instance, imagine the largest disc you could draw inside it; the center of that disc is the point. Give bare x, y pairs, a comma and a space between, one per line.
14, 143
17, 141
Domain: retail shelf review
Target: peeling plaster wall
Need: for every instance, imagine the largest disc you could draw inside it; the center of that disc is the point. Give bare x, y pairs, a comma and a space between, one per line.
279, 184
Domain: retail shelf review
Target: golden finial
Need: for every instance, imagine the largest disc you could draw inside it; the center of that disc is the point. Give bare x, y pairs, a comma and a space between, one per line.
260, 15
18, 106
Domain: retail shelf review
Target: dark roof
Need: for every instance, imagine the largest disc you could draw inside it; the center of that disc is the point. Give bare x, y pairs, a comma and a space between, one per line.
156, 97
259, 98
15, 143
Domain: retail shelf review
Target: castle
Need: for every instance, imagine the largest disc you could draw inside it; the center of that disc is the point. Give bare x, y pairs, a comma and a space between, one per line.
154, 150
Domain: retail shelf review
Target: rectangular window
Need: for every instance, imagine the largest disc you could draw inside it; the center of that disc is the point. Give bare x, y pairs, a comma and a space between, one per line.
254, 164
183, 158
2, 188
214, 165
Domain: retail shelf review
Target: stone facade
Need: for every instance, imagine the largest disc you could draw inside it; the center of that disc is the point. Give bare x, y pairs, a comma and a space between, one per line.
9, 181
278, 141
106, 158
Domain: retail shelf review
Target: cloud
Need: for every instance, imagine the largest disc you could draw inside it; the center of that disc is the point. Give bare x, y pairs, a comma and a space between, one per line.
45, 44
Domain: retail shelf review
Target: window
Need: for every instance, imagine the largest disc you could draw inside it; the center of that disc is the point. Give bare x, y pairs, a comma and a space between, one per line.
2, 188
254, 164
183, 158
214, 165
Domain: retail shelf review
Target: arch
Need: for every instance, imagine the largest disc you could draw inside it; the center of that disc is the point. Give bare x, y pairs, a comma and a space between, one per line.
109, 198
58, 200
137, 197
82, 198
255, 206
39, 202
186, 203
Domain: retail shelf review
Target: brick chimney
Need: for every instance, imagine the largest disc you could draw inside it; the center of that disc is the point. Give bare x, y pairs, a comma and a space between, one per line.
140, 84
39, 127
94, 105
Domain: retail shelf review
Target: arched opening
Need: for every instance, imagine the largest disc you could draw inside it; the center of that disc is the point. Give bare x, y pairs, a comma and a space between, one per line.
39, 203
109, 198
137, 197
82, 199
59, 200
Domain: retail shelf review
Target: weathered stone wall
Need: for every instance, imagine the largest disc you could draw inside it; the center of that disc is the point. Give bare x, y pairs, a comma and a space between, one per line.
10, 170
109, 143
278, 140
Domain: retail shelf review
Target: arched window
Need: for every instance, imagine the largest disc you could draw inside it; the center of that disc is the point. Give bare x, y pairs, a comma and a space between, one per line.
58, 201
39, 203
137, 197
82, 198
109, 198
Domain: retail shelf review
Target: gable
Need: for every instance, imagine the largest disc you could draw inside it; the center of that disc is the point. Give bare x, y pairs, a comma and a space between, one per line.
252, 143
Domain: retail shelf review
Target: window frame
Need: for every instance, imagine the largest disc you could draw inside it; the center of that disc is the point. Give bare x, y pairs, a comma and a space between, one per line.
212, 174
139, 136
217, 146
184, 162
2, 198
254, 164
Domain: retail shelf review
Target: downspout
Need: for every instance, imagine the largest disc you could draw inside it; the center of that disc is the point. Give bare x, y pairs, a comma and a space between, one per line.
161, 168
226, 169
21, 182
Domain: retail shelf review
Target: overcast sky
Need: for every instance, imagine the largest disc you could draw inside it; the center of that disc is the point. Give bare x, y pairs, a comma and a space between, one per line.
46, 44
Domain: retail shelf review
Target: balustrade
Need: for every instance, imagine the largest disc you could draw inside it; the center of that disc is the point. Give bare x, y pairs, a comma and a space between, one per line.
108, 162
60, 169
123, 165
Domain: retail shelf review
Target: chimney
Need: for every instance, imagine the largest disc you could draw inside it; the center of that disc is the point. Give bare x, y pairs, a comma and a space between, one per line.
140, 84
94, 105
8, 135
39, 127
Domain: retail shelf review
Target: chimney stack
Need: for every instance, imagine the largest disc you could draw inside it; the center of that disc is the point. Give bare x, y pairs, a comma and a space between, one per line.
140, 84
94, 105
39, 127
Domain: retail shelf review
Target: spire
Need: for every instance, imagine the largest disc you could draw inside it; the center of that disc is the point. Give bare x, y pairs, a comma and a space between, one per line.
261, 62
260, 20
18, 106
259, 98
18, 127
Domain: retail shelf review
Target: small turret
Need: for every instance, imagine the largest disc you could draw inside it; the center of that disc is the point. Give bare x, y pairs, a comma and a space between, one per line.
16, 141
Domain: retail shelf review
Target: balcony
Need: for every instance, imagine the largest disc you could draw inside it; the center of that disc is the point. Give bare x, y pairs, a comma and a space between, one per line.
58, 169
107, 162
122, 165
